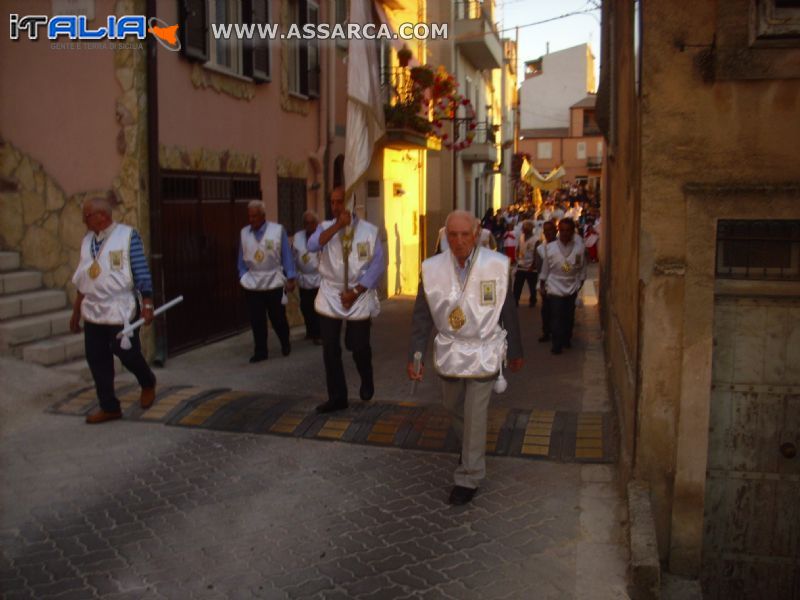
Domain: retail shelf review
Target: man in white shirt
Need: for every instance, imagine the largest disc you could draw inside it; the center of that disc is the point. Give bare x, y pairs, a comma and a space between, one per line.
562, 276
526, 269
549, 233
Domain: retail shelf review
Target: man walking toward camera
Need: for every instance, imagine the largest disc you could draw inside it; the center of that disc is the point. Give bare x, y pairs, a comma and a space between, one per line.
465, 294
353, 302
114, 286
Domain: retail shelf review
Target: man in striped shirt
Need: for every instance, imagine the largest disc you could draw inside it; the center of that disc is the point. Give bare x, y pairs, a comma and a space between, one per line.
114, 286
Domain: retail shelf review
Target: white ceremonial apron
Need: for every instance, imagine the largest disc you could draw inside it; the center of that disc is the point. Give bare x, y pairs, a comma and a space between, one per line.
263, 259
108, 298
476, 348
308, 276
331, 267
562, 281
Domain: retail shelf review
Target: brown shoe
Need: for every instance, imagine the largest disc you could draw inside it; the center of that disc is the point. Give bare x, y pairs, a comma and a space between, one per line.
101, 416
147, 397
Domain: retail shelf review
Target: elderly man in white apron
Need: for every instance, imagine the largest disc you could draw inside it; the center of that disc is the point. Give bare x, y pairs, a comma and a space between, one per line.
354, 303
114, 284
465, 294
266, 269
308, 277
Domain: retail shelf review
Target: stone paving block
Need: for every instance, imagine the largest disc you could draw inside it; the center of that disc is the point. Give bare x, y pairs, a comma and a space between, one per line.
58, 587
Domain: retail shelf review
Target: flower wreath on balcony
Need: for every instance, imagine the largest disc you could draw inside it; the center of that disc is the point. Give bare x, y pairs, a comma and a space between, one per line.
446, 102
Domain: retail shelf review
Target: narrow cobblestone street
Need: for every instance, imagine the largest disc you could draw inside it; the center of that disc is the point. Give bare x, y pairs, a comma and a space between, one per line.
138, 509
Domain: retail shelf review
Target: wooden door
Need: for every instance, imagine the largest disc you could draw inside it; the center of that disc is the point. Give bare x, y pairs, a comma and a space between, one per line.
751, 543
202, 215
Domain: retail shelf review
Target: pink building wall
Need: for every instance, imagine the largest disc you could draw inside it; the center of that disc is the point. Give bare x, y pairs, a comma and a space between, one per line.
61, 108
196, 118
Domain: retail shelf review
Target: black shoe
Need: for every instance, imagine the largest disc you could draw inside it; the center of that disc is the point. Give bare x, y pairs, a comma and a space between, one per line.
544, 338
258, 358
461, 495
330, 407
555, 351
367, 391
286, 349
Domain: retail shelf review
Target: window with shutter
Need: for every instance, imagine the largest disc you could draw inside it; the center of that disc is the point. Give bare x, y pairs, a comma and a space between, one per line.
303, 55
256, 51
226, 53
313, 52
193, 29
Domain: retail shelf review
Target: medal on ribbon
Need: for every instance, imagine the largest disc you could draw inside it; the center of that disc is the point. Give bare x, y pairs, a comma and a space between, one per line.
566, 267
94, 270
259, 256
457, 318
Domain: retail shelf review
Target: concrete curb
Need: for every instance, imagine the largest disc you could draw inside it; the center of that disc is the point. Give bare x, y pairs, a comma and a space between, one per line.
645, 566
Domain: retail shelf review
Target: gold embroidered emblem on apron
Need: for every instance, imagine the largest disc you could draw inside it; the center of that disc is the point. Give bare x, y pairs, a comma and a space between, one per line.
488, 296
363, 250
115, 258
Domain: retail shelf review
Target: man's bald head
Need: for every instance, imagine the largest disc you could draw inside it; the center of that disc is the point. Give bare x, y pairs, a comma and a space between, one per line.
461, 234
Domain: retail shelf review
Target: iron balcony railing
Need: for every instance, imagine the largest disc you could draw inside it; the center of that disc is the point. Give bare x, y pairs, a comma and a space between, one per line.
485, 131
473, 9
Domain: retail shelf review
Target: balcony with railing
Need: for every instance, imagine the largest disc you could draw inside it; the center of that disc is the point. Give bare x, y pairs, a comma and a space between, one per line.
594, 163
407, 124
476, 35
483, 148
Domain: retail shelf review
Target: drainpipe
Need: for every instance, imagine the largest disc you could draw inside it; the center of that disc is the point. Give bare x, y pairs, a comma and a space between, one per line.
154, 189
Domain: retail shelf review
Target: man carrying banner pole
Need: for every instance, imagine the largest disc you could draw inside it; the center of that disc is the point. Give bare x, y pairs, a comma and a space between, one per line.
352, 260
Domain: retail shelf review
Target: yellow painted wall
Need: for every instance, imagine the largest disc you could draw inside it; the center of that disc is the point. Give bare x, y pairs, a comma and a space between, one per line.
402, 217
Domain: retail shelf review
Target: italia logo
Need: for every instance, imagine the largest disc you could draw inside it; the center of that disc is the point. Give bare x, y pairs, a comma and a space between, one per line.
75, 27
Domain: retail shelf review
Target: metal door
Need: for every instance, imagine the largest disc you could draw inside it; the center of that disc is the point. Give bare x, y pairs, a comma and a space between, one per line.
202, 214
752, 504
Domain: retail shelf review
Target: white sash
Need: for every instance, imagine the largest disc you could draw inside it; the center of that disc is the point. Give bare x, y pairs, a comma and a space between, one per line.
263, 258
331, 268
476, 348
109, 298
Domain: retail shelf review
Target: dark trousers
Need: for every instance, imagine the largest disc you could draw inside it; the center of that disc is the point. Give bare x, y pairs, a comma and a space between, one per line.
101, 344
261, 304
310, 315
356, 340
519, 282
562, 319
546, 317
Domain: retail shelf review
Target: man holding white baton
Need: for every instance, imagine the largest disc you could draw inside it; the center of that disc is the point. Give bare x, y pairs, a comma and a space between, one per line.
112, 269
465, 294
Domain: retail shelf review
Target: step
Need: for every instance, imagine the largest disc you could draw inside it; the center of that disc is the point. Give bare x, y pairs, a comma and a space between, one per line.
55, 350
9, 261
20, 331
31, 303
20, 281
80, 369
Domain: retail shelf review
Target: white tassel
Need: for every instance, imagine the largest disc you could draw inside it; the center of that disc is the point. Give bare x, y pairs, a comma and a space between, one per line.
125, 342
500, 384
284, 298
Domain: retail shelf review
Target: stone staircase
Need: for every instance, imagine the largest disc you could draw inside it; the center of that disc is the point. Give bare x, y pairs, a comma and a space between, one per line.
34, 321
